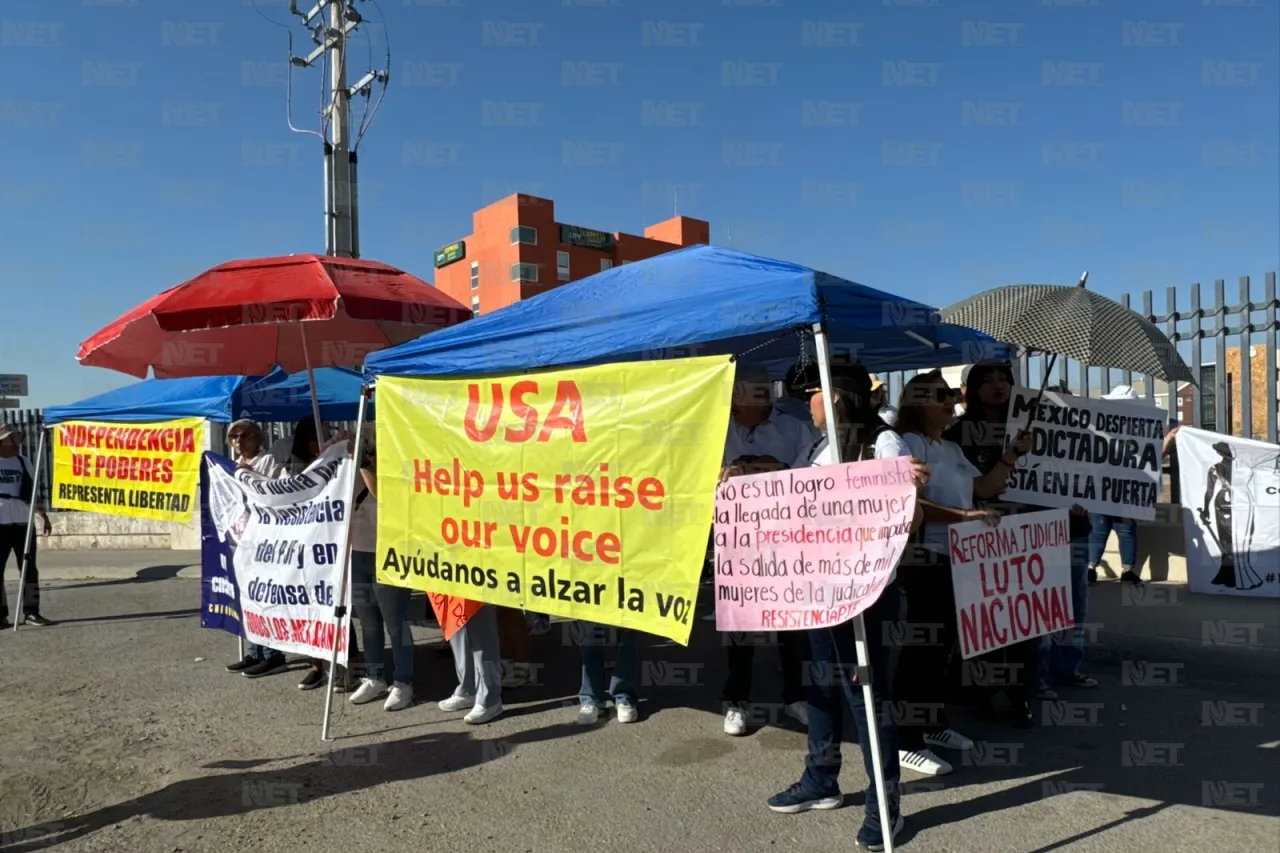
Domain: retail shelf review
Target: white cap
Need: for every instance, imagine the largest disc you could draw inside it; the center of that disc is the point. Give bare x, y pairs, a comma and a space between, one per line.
1121, 392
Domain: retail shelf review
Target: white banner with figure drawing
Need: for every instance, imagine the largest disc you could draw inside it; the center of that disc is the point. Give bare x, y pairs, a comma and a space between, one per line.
1230, 513
290, 547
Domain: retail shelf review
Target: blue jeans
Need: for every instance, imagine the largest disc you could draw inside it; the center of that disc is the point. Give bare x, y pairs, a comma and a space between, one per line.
1126, 533
258, 652
1062, 652
829, 689
381, 607
622, 685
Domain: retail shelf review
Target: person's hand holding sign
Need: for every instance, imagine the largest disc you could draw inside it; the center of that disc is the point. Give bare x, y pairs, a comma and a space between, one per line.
989, 516
1021, 447
919, 472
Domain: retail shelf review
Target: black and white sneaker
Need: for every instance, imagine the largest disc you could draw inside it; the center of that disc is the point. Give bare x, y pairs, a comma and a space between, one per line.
796, 799
242, 664
36, 621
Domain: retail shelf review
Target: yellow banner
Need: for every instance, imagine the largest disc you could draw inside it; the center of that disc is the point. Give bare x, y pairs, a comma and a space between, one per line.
587, 493
138, 470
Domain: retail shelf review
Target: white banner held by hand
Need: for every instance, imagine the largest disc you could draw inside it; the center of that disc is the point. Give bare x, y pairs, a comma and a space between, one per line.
1011, 582
290, 552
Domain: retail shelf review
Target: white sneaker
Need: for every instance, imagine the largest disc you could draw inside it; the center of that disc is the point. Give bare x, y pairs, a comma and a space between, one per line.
949, 739
923, 761
457, 702
735, 722
798, 711
479, 716
401, 697
627, 712
368, 690
588, 715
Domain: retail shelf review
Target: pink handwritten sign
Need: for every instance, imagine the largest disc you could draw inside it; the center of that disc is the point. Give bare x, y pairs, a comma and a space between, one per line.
809, 548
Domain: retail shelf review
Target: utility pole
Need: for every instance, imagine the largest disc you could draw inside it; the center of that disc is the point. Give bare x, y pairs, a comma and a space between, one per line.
331, 23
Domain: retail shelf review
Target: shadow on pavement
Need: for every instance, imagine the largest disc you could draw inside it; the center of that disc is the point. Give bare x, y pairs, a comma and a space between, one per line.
146, 575
331, 774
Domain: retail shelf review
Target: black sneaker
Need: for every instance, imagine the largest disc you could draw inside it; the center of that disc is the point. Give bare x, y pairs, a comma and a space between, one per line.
313, 679
242, 664
871, 836
268, 666
36, 620
796, 799
1093, 577
1131, 578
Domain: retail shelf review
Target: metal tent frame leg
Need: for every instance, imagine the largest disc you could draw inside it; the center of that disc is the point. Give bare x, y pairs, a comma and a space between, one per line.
859, 625
340, 608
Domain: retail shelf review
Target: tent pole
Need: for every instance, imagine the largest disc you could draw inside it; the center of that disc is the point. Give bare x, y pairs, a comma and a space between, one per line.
28, 541
340, 609
311, 381
887, 819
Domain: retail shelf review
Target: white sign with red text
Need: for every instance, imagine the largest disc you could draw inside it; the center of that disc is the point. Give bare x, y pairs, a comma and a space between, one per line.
1012, 582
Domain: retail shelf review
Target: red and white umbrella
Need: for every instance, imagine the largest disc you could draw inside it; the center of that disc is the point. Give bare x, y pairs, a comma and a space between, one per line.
246, 317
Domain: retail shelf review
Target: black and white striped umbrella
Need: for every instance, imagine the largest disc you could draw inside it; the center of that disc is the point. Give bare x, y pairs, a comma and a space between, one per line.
1074, 322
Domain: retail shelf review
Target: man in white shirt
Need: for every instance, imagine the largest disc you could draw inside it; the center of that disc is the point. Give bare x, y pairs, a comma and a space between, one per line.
762, 436
248, 450
17, 483
246, 440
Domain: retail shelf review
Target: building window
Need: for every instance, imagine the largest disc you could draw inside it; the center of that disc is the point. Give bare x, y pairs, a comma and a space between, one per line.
524, 272
524, 234
562, 266
605, 264
475, 275
475, 306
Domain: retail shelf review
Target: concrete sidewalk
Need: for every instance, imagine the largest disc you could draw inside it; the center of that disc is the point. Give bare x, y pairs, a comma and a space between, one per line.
1159, 622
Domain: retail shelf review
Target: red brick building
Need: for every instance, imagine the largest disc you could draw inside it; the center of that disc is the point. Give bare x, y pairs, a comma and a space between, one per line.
518, 250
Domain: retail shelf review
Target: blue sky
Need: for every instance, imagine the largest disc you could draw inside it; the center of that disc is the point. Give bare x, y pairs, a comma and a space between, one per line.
928, 149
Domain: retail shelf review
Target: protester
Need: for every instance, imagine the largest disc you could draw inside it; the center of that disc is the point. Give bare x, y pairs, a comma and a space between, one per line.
478, 663
981, 435
863, 436
762, 437
17, 494
922, 686
879, 393
380, 607
592, 696
246, 439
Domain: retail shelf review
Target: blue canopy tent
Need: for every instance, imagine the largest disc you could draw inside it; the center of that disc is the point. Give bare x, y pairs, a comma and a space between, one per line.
699, 301
222, 399
703, 300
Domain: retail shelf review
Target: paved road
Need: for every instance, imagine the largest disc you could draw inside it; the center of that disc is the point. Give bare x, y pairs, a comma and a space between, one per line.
122, 732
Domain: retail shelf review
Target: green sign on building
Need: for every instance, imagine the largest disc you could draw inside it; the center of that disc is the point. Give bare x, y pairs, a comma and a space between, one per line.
451, 253
585, 237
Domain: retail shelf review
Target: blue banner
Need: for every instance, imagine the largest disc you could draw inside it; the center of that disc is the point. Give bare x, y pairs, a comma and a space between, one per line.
219, 592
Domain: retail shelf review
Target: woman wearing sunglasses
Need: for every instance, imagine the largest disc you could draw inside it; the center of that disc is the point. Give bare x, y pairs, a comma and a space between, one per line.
926, 409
